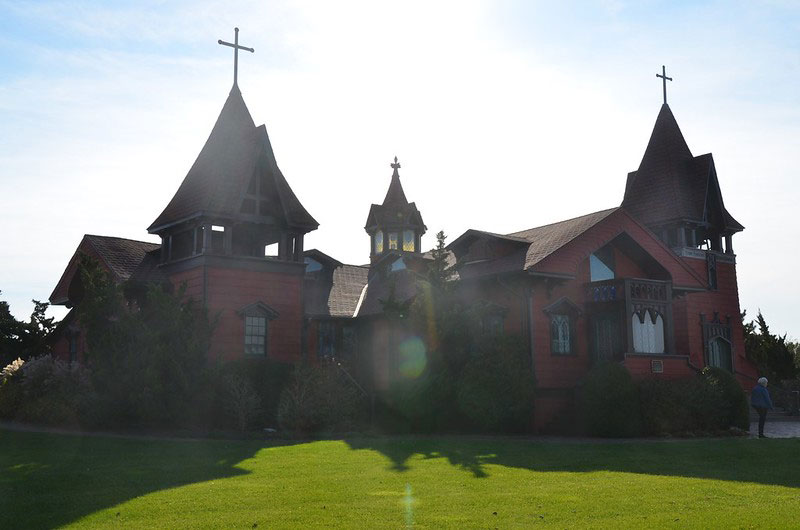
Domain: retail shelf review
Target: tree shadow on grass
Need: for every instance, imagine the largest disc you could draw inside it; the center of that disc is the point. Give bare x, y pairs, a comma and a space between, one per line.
48, 480
770, 462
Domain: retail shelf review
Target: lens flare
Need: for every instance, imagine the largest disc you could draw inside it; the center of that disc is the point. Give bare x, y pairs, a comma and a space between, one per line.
412, 357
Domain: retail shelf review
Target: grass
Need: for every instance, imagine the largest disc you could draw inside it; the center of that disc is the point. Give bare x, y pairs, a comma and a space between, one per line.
49, 480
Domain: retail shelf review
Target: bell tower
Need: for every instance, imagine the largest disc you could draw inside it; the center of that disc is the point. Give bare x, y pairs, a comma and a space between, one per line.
395, 226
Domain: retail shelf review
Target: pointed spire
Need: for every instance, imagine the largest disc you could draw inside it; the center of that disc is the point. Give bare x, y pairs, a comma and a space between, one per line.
395, 195
666, 145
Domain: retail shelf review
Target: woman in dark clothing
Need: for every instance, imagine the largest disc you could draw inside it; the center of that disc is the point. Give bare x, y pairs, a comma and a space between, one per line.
760, 400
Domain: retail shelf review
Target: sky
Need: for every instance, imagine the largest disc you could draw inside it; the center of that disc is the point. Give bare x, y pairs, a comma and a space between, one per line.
504, 115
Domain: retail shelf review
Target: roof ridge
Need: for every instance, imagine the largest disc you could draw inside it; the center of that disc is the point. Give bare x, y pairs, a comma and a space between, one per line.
607, 210
122, 238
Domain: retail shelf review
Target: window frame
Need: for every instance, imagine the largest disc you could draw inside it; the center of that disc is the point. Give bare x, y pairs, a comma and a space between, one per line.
257, 310
248, 327
568, 312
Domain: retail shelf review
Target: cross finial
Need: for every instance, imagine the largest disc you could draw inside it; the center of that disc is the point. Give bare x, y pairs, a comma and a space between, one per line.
236, 49
664, 79
396, 164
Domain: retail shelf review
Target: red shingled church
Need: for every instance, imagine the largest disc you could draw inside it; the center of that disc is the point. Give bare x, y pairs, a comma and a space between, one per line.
650, 283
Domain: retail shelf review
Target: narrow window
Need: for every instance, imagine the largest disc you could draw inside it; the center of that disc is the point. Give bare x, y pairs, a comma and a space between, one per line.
326, 339
711, 263
408, 240
719, 354
648, 333
378, 242
255, 335
560, 334
392, 240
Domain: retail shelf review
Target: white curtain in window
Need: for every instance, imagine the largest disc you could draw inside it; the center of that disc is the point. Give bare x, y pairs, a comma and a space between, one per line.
648, 337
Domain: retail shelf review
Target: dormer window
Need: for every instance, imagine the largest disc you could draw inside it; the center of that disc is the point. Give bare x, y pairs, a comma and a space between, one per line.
392, 240
408, 240
378, 242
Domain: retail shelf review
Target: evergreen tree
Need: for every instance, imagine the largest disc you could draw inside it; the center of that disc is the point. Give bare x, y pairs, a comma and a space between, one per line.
772, 354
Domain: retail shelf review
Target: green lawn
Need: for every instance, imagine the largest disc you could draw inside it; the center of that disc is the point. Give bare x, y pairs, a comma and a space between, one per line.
51, 480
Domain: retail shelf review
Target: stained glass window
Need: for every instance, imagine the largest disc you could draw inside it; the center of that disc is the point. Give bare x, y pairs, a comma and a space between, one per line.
392, 240
408, 240
378, 242
559, 334
255, 335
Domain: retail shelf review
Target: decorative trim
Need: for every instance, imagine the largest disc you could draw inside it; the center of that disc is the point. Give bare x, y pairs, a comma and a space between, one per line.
258, 309
563, 305
235, 262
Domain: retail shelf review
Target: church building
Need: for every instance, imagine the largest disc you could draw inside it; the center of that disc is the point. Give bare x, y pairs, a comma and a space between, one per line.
650, 283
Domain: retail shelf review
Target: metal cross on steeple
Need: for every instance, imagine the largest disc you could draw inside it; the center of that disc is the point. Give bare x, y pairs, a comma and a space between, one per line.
236, 49
664, 79
396, 164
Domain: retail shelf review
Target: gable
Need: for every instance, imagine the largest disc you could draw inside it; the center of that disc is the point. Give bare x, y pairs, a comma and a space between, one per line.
645, 248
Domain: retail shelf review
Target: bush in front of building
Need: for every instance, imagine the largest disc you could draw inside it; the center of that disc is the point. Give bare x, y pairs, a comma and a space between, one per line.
420, 402
729, 396
495, 389
609, 402
11, 389
319, 399
46, 391
247, 392
709, 403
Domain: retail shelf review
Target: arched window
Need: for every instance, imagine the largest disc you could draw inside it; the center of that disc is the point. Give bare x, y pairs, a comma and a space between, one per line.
719, 354
648, 333
560, 334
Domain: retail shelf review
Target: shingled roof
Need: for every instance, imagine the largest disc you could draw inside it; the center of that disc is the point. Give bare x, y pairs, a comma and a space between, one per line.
337, 296
236, 151
544, 240
671, 184
528, 247
125, 259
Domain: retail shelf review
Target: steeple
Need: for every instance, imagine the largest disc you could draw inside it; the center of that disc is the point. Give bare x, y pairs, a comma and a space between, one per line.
395, 195
676, 194
396, 225
234, 200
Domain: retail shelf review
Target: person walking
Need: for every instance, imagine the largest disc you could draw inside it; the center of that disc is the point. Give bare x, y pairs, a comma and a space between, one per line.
760, 400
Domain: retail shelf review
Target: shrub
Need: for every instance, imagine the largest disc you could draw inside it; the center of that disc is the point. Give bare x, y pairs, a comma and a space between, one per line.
495, 390
11, 389
424, 403
241, 400
678, 406
609, 402
53, 392
267, 380
318, 398
729, 397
